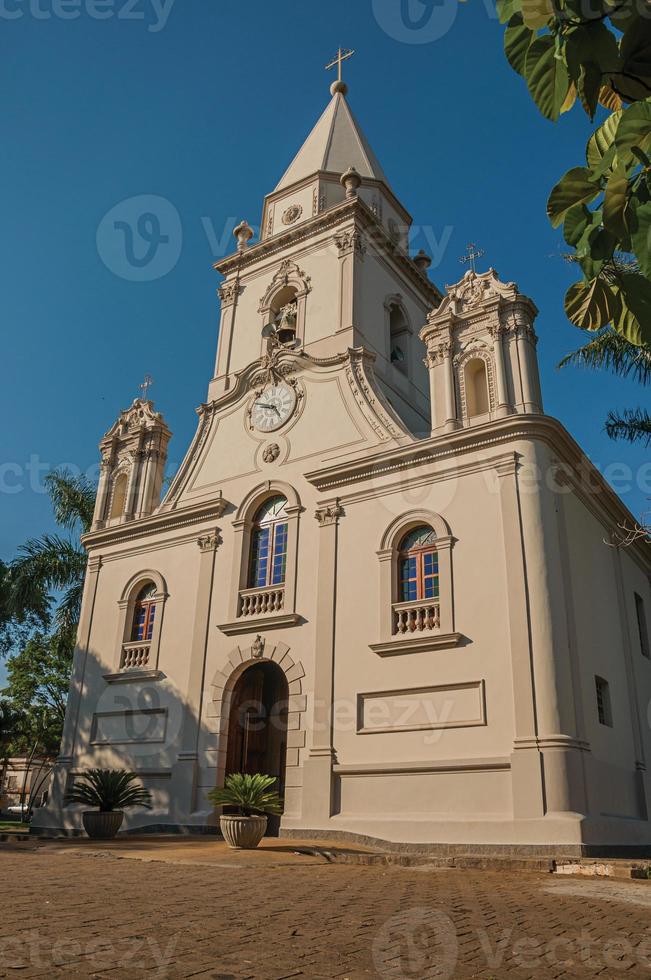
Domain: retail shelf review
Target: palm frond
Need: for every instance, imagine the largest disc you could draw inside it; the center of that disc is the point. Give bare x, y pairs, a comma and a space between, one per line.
73, 499
609, 350
249, 793
633, 426
109, 789
46, 563
51, 561
69, 609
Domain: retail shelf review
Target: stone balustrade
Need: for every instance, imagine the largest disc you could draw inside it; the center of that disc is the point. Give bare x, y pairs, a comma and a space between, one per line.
261, 602
416, 617
134, 654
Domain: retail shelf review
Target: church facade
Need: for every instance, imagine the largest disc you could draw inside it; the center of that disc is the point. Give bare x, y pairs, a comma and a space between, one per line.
382, 573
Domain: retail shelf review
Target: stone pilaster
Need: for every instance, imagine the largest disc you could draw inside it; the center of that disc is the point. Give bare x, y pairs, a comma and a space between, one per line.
185, 769
351, 249
317, 770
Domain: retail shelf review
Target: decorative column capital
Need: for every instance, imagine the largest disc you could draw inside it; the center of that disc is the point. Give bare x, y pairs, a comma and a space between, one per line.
350, 242
210, 541
329, 514
229, 292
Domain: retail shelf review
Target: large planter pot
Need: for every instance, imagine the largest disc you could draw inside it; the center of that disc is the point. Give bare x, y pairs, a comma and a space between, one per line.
102, 826
243, 832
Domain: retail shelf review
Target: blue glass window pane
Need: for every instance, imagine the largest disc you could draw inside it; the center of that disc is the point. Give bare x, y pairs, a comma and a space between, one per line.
150, 622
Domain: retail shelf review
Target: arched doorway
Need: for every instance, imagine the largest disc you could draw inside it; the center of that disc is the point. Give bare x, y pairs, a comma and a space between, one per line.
257, 726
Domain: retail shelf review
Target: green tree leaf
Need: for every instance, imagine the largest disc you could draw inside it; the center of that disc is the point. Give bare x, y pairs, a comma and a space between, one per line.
602, 141
634, 320
574, 187
506, 9
589, 86
591, 305
640, 226
615, 201
592, 42
635, 48
634, 130
517, 41
547, 77
577, 219
536, 13
595, 249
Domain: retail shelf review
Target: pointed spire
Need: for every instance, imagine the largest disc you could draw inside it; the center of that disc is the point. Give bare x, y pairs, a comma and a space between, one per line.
335, 144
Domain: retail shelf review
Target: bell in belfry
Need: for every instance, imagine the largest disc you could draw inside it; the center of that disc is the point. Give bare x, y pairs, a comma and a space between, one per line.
286, 324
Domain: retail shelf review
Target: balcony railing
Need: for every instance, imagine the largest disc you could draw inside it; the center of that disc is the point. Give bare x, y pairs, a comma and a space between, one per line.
134, 655
416, 617
261, 602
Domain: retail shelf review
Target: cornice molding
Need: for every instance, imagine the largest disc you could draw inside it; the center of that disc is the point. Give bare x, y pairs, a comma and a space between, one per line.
161, 521
419, 644
331, 176
598, 497
259, 624
353, 208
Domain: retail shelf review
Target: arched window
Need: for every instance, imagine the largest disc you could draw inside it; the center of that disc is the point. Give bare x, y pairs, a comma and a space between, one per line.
477, 401
398, 339
268, 561
119, 497
144, 613
418, 566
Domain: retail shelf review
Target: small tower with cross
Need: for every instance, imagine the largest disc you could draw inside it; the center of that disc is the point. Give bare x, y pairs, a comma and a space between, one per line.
481, 351
134, 453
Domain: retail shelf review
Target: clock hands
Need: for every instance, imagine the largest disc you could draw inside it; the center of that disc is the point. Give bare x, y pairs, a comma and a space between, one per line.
272, 407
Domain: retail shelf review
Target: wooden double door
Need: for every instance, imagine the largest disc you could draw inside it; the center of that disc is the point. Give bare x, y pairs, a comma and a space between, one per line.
257, 728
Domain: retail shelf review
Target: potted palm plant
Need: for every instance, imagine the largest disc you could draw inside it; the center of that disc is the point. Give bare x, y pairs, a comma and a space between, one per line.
110, 791
253, 798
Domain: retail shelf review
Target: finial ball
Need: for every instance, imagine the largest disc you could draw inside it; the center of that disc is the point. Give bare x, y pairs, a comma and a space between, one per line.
338, 86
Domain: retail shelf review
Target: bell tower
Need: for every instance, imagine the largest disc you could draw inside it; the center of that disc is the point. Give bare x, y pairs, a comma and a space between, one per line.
332, 269
481, 353
134, 452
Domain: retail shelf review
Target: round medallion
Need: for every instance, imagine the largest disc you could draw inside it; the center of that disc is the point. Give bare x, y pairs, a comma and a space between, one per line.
273, 407
271, 453
292, 214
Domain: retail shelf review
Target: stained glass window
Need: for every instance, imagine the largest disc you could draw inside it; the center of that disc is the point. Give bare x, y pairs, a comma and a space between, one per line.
418, 566
269, 545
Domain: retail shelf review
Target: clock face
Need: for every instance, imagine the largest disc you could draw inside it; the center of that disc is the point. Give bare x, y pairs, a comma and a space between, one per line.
273, 407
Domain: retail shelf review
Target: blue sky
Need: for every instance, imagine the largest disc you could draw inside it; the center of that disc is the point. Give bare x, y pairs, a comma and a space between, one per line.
203, 103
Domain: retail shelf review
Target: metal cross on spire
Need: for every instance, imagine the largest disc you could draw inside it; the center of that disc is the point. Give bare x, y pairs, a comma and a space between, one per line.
472, 253
145, 386
342, 55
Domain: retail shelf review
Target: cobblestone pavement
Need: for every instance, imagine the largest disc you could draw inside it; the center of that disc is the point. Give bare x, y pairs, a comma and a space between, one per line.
75, 914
